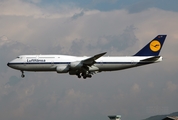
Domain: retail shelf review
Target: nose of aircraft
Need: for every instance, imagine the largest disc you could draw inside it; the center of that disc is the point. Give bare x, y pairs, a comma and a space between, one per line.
9, 64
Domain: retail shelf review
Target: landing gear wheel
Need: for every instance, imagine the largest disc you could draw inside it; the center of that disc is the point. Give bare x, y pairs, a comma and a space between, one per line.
78, 76
22, 74
90, 76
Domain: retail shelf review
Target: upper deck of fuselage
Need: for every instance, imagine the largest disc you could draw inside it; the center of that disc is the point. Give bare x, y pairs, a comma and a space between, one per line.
44, 56
48, 58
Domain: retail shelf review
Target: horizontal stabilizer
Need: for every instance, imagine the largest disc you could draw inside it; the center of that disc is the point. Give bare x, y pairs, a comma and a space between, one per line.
151, 59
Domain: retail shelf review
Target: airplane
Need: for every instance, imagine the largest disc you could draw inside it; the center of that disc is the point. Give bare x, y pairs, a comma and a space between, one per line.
87, 66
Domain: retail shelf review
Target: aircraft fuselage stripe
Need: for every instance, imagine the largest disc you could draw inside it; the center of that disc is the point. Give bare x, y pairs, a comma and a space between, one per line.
70, 62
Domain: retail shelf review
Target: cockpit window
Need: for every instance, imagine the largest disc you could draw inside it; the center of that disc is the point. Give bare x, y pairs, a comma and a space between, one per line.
18, 57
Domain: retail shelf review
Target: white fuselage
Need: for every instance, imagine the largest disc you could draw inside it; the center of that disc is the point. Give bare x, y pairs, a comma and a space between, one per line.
50, 62
86, 66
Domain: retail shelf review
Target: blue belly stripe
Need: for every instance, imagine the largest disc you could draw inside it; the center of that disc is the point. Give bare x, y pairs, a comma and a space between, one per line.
69, 63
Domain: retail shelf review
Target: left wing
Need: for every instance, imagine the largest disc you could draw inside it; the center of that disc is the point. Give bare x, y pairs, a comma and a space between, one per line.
90, 61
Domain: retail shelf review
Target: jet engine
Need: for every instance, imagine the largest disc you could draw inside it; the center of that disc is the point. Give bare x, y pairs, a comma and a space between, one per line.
62, 68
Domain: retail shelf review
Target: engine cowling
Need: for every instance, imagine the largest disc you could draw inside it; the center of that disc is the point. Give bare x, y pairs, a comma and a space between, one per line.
76, 65
93, 68
62, 69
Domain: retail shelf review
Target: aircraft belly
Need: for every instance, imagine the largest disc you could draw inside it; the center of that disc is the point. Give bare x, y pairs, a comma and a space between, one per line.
112, 67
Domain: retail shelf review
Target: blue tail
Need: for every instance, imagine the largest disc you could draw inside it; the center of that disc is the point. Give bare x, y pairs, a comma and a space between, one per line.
153, 48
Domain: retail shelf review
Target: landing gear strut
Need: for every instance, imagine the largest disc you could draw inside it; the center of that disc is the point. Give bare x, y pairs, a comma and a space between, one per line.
22, 74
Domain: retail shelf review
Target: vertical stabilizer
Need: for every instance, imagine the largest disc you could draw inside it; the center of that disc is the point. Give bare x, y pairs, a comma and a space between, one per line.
153, 48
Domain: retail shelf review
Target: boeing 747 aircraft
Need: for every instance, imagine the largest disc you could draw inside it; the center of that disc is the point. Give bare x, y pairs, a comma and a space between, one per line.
87, 66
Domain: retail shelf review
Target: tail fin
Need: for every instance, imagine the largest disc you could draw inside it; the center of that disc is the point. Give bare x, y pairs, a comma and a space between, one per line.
153, 48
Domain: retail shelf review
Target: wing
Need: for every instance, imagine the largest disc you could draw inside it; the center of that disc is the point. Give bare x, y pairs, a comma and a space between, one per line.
90, 61
85, 68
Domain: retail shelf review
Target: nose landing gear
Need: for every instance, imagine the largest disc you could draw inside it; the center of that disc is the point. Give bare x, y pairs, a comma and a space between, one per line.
22, 74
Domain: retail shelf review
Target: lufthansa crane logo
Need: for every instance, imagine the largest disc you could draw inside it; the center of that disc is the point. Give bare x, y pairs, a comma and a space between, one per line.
155, 45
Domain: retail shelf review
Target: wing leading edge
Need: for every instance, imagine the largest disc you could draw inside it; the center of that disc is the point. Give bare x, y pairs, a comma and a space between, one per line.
90, 61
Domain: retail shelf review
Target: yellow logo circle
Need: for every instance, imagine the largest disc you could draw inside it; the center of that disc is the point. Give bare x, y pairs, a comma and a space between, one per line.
155, 46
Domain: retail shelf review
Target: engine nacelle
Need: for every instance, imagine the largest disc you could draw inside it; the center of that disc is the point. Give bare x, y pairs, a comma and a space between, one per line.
93, 68
62, 69
76, 65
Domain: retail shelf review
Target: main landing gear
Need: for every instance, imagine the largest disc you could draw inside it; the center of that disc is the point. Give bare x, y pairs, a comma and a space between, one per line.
78, 75
22, 74
84, 75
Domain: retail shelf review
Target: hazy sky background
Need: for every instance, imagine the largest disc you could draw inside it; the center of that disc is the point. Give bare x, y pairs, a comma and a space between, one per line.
87, 27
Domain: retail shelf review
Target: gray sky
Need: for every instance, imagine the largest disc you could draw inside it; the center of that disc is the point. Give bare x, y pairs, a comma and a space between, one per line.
87, 28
